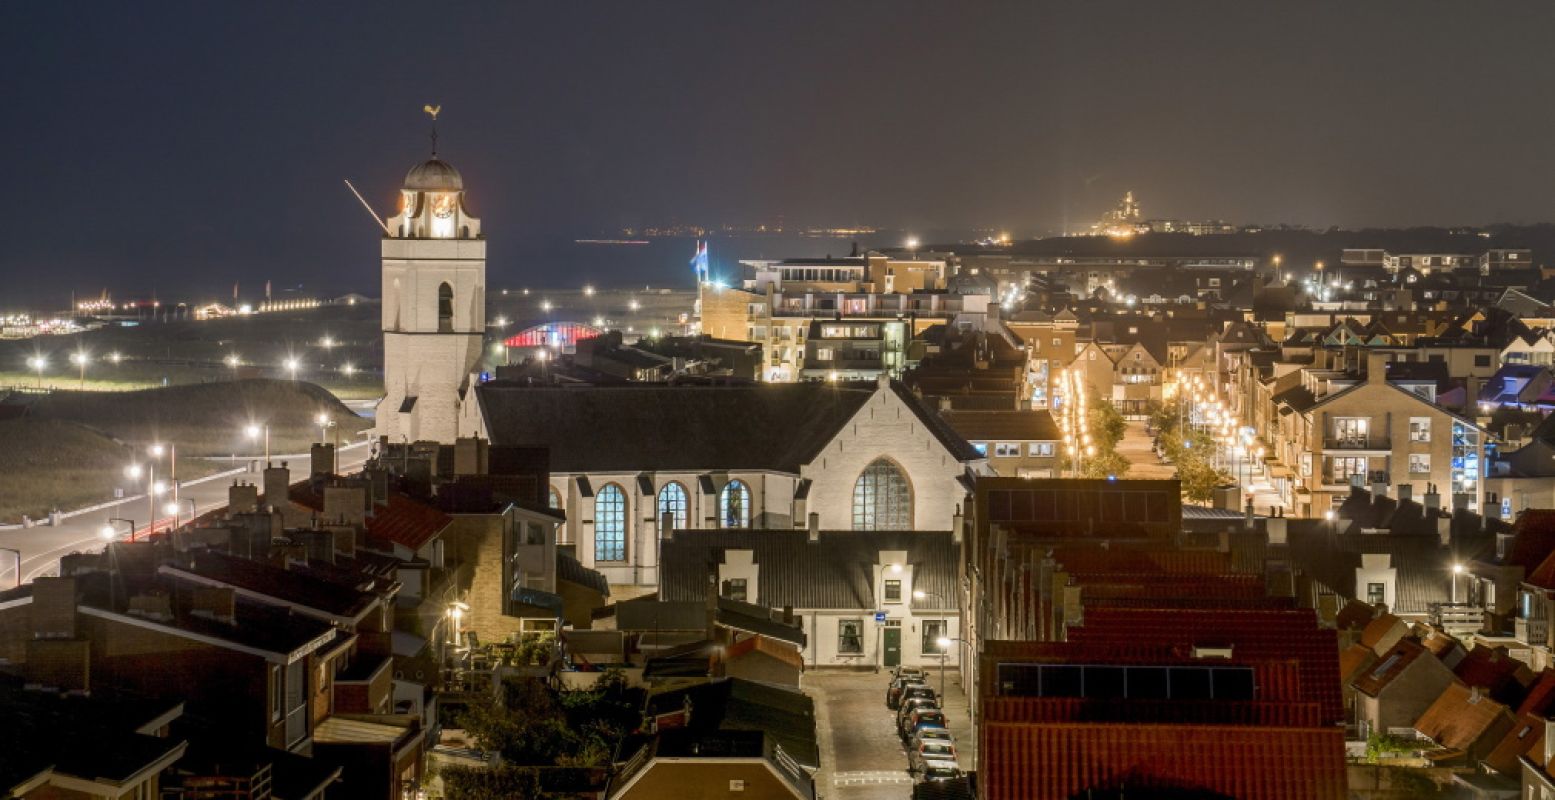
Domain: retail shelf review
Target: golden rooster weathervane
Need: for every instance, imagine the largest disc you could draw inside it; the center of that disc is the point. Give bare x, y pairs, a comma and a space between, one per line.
433, 111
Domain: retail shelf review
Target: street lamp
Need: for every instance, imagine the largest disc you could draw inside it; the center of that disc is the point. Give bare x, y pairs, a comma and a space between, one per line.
80, 359
254, 432
233, 361
38, 363
1457, 569
324, 423
944, 649
291, 365
110, 534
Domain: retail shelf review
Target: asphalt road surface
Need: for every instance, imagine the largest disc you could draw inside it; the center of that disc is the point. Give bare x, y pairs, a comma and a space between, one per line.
39, 548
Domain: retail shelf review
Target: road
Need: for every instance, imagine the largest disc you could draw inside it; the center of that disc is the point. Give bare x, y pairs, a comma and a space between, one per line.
1139, 449
42, 546
862, 758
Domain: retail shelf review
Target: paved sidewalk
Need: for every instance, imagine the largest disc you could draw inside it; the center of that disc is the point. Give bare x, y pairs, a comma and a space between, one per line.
862, 758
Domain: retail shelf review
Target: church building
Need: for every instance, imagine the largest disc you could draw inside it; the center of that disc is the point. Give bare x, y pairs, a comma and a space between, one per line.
434, 306
626, 461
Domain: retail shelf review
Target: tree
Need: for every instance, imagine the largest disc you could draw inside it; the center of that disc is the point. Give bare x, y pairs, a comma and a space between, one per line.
1193, 451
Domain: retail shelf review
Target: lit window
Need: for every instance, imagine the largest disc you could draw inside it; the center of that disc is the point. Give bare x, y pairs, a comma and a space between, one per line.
893, 591
555, 499
1419, 463
981, 448
610, 524
850, 636
882, 500
1419, 429
933, 631
1040, 449
1007, 449
735, 589
672, 501
735, 503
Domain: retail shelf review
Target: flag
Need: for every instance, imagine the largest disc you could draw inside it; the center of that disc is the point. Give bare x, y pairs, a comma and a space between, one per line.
699, 261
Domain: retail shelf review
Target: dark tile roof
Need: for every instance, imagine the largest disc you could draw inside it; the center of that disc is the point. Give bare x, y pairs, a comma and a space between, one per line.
1422, 562
1533, 539
1025, 425
572, 570
282, 584
658, 427
75, 736
1389, 666
752, 618
735, 704
834, 572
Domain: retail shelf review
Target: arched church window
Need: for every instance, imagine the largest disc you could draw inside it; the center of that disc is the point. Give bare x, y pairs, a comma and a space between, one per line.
734, 505
672, 501
882, 498
445, 308
610, 524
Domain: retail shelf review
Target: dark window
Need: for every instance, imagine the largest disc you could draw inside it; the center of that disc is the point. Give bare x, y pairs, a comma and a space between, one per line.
893, 591
850, 636
734, 589
1482, 361
445, 308
1375, 593
933, 631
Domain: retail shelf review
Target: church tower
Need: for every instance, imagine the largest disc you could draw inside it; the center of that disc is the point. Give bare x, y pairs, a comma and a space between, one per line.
434, 307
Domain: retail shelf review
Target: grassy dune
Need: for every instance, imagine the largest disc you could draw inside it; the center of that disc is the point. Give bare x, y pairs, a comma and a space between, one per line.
206, 418
48, 464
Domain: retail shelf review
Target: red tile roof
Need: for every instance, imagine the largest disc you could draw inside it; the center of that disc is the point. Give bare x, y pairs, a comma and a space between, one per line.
1026, 761
1461, 717
406, 522
1354, 658
1253, 634
1378, 628
1389, 665
1527, 735
1494, 670
1543, 576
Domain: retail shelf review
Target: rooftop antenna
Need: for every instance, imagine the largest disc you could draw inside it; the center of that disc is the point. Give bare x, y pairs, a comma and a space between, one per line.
433, 111
370, 211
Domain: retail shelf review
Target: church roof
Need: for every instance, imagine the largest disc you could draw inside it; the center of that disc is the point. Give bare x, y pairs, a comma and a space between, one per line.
777, 427
434, 175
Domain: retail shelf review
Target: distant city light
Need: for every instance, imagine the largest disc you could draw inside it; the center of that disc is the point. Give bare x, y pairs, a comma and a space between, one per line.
348, 369
114, 357
291, 366
545, 305
588, 291
233, 360
38, 362
912, 243
599, 322
327, 342
78, 358
132, 471
634, 305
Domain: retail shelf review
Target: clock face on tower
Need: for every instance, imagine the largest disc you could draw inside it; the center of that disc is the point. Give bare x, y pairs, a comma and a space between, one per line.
443, 206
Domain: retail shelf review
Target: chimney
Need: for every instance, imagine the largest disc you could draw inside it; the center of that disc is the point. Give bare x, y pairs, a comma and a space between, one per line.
322, 460
1376, 367
242, 498
957, 525
814, 527
345, 505
1275, 527
1406, 492
1432, 500
470, 456
788, 615
377, 486
1444, 531
666, 526
1379, 489
53, 613
277, 485
214, 602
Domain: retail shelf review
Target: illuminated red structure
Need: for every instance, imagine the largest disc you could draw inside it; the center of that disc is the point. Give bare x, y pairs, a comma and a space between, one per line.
561, 335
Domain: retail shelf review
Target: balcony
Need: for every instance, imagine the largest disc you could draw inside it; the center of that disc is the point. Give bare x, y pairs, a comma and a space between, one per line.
1379, 444
1532, 632
1457, 618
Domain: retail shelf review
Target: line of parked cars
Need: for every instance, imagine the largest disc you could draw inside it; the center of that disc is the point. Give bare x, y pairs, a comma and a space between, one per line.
931, 750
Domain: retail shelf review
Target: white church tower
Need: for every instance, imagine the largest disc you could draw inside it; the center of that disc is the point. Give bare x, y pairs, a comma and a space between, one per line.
434, 307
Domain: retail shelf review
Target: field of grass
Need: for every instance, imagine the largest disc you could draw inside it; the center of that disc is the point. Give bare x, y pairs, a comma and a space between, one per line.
207, 418
51, 464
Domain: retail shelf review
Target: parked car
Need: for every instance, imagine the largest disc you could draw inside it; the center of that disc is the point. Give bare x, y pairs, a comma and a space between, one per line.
913, 704
922, 718
913, 690
931, 750
925, 735
893, 694
937, 771
906, 672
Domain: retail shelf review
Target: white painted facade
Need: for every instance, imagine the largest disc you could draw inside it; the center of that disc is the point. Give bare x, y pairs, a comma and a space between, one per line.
884, 427
434, 307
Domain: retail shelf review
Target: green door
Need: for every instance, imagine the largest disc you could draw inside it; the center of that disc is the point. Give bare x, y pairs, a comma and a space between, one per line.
893, 647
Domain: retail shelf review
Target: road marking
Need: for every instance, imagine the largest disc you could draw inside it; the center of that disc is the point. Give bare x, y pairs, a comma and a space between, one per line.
871, 778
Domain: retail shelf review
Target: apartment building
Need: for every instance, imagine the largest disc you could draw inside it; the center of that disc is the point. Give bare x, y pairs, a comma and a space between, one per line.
1337, 433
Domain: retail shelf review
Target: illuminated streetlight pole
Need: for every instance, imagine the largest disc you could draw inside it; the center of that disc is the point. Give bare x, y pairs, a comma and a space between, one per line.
944, 651
38, 363
254, 432
79, 358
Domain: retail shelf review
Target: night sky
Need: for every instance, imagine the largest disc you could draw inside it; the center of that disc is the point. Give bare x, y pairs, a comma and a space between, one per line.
174, 144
